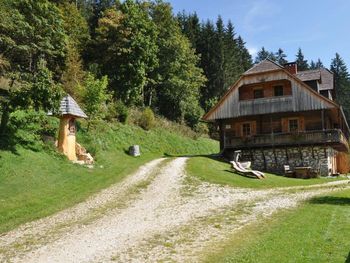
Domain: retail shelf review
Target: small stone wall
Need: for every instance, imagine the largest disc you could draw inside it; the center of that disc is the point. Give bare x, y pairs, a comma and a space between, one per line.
319, 158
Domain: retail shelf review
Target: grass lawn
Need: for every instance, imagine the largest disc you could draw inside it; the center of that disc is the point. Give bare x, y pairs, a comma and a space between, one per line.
37, 184
217, 171
317, 231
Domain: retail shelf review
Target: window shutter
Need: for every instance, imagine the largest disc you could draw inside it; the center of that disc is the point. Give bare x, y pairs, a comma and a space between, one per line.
253, 127
284, 124
301, 123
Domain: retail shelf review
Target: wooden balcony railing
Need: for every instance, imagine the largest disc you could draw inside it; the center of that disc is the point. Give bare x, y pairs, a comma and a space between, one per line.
333, 137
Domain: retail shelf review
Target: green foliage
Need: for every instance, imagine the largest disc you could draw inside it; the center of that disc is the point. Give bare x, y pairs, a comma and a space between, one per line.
147, 119
44, 93
342, 83
127, 50
28, 127
75, 25
264, 54
223, 57
122, 111
301, 61
95, 96
30, 30
179, 76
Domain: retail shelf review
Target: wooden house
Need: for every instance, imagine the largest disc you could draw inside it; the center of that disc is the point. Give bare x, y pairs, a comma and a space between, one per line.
278, 116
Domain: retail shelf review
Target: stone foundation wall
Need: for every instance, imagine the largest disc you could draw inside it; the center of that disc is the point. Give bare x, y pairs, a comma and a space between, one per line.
319, 158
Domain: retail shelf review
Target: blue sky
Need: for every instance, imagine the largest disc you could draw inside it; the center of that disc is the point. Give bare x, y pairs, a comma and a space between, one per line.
319, 27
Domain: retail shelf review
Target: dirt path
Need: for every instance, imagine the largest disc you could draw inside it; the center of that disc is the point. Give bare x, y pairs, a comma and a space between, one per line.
157, 214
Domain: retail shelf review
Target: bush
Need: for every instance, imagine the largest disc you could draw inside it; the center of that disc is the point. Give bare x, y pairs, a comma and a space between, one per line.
28, 127
201, 128
122, 111
147, 119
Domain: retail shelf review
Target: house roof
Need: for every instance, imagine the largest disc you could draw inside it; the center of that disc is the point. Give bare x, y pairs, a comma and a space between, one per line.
309, 75
69, 106
263, 66
324, 76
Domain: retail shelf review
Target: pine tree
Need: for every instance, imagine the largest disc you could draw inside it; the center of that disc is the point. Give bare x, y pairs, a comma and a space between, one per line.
342, 83
319, 64
312, 65
301, 62
245, 59
264, 54
281, 57
179, 76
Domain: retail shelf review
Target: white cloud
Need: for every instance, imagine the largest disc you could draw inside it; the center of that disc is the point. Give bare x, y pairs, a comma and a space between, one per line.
252, 51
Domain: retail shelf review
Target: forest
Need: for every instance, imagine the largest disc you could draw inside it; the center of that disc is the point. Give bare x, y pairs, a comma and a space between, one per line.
114, 55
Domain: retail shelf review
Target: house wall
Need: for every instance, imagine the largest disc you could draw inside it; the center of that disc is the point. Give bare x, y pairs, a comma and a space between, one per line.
247, 92
277, 123
343, 162
322, 159
66, 139
302, 99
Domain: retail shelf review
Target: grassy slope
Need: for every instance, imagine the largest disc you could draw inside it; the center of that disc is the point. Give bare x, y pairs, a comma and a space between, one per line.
36, 184
317, 231
216, 171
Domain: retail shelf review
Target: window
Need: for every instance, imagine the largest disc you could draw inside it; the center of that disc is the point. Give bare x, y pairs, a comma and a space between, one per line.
227, 126
246, 129
293, 125
258, 93
278, 91
71, 126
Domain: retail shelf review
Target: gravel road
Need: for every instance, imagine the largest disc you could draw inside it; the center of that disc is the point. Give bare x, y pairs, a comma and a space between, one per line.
156, 214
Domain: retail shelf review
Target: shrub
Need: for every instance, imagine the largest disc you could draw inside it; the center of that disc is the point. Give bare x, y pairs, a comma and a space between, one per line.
122, 111
147, 120
201, 128
28, 127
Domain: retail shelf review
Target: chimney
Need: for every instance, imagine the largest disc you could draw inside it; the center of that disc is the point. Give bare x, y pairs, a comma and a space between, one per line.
291, 67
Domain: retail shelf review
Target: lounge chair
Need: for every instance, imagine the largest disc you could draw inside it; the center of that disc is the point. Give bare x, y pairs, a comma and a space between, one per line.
239, 168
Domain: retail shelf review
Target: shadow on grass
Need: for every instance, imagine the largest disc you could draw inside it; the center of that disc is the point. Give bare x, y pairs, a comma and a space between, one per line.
331, 200
348, 259
216, 157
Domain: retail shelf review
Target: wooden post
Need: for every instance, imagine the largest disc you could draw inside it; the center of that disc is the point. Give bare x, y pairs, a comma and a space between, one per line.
322, 117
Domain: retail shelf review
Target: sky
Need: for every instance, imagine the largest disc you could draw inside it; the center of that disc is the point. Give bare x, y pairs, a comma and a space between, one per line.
319, 27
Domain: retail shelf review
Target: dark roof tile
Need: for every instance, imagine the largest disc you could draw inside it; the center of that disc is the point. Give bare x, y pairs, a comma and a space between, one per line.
70, 107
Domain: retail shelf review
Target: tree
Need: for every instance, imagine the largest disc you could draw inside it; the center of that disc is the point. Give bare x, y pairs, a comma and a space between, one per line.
75, 25
179, 78
301, 62
245, 59
264, 54
95, 95
281, 57
27, 90
319, 64
190, 26
127, 50
342, 83
31, 30
73, 75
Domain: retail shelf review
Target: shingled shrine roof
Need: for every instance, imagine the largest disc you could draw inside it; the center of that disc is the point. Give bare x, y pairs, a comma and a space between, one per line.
70, 107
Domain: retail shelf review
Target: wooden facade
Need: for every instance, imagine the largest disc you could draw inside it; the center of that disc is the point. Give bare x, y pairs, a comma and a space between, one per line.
274, 108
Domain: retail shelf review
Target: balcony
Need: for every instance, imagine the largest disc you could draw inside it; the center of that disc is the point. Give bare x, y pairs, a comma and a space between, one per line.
266, 105
334, 138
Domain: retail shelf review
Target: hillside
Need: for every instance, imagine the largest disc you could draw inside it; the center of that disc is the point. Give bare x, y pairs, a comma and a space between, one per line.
34, 184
